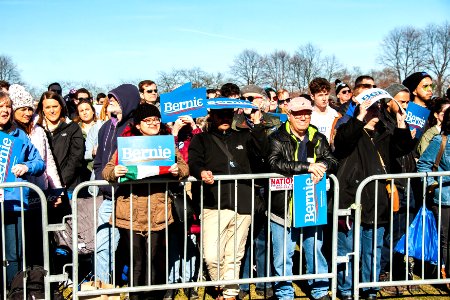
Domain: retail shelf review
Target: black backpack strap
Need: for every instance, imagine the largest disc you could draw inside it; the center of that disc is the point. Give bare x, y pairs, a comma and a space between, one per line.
222, 147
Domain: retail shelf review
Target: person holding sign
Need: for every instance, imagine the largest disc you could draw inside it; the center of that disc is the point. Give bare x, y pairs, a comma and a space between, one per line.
224, 151
147, 122
19, 157
298, 148
365, 147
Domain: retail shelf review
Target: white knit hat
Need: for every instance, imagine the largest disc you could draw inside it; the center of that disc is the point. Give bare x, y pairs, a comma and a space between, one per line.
20, 97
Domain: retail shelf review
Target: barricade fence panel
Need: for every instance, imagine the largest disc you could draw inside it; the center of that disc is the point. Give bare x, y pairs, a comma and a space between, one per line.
24, 242
397, 248
157, 242
197, 239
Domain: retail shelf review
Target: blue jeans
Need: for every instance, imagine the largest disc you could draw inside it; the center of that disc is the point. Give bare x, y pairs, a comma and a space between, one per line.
259, 254
345, 246
105, 243
314, 257
176, 255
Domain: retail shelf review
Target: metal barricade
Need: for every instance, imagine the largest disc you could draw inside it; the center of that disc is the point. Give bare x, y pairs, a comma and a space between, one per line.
356, 209
23, 215
201, 282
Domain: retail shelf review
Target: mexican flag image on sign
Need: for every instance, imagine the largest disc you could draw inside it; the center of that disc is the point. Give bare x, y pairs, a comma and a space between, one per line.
145, 156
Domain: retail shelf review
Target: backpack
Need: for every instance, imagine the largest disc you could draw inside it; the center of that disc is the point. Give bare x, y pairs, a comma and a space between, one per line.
35, 284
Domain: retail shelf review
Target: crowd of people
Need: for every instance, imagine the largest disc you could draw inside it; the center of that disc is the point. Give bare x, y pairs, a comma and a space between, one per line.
73, 139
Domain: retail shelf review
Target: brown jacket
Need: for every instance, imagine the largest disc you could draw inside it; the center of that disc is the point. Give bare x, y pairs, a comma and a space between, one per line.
140, 200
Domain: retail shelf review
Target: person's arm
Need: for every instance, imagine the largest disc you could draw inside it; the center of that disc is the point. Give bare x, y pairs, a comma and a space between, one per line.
428, 158
197, 156
33, 160
183, 168
53, 178
98, 157
326, 157
91, 143
75, 156
347, 137
108, 171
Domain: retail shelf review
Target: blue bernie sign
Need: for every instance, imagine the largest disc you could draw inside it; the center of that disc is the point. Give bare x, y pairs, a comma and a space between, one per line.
158, 150
416, 117
10, 150
182, 103
310, 201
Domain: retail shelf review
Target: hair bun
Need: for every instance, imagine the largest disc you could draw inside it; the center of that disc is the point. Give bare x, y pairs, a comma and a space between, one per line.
337, 81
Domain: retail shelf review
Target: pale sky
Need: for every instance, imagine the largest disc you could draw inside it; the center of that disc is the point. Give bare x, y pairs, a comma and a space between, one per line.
107, 42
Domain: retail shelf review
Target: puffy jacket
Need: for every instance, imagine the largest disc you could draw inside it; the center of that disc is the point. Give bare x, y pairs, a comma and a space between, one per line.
205, 154
425, 164
140, 200
358, 159
282, 159
67, 145
30, 157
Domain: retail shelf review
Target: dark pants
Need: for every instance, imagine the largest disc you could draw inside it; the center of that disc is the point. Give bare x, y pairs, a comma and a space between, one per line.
445, 227
140, 258
13, 240
398, 230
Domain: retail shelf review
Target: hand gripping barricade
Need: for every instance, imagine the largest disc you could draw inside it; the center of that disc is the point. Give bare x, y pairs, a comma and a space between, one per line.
200, 281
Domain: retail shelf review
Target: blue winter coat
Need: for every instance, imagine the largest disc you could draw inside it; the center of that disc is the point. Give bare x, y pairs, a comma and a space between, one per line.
30, 157
426, 162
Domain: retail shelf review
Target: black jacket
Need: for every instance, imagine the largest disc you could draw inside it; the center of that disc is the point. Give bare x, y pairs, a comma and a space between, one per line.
359, 159
205, 154
281, 159
67, 145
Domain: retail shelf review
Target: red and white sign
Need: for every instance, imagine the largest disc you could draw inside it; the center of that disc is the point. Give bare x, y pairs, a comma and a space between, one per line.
281, 184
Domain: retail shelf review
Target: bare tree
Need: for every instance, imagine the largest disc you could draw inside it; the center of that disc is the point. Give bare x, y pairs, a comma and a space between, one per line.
168, 81
306, 64
247, 67
213, 81
195, 75
384, 78
403, 51
276, 69
330, 67
437, 41
8, 70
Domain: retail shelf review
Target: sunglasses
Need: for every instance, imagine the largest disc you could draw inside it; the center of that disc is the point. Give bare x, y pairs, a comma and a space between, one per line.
287, 100
152, 91
367, 85
251, 98
84, 99
346, 92
427, 87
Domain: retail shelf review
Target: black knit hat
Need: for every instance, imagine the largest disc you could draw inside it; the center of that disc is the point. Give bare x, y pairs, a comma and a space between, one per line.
413, 80
340, 85
144, 111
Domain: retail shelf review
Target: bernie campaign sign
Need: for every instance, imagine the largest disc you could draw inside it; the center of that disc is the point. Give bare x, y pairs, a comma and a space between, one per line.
181, 102
416, 117
145, 156
223, 103
10, 149
372, 95
310, 201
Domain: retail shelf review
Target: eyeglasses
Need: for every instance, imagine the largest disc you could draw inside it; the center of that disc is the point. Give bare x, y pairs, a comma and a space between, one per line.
367, 85
150, 121
287, 100
427, 87
302, 116
84, 99
345, 92
251, 98
152, 91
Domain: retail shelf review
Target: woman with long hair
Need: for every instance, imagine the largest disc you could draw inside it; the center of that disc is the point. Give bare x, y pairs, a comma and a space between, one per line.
65, 138
434, 121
